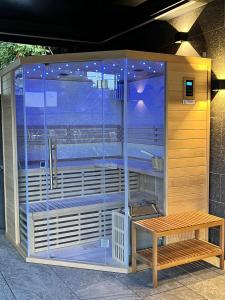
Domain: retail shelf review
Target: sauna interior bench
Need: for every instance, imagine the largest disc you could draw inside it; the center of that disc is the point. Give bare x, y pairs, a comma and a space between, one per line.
171, 255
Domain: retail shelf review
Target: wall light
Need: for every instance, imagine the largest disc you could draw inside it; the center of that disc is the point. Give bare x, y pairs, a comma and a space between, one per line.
181, 37
218, 84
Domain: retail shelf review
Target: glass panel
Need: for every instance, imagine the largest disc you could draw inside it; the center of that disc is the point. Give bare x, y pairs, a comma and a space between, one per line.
146, 132
21, 137
32, 155
90, 145
115, 174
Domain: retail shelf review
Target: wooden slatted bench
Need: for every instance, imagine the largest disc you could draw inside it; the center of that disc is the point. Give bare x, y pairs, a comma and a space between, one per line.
159, 258
59, 223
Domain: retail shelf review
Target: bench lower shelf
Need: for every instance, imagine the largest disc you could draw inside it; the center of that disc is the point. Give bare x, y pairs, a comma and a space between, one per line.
179, 253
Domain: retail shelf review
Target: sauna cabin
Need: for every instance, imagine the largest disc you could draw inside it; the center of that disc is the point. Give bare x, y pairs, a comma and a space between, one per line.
94, 140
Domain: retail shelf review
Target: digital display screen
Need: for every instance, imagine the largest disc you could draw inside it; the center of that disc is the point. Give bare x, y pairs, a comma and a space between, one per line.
189, 88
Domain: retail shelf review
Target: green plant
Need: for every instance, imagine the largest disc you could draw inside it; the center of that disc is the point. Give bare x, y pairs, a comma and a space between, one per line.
10, 51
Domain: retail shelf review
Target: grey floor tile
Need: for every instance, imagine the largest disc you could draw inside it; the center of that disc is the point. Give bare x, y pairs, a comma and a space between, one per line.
5, 292
80, 278
28, 281
211, 289
213, 267
141, 282
182, 293
196, 272
108, 288
120, 298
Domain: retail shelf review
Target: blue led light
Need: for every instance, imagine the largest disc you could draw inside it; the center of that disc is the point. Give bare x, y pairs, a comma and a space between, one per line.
114, 65
121, 69
52, 71
71, 72
67, 65
143, 63
86, 66
34, 69
28, 72
132, 66
46, 73
95, 63
78, 69
149, 68
39, 67
59, 68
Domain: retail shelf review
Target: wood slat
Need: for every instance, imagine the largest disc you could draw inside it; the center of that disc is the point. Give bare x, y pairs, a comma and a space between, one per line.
187, 171
186, 162
186, 144
180, 253
187, 153
187, 115
177, 221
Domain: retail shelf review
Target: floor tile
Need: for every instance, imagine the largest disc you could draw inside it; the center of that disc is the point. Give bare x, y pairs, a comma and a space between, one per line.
28, 281
211, 289
181, 293
5, 292
212, 263
141, 282
196, 272
121, 298
108, 288
80, 278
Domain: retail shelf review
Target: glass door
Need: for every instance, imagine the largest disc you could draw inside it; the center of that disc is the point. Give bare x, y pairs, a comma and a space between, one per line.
86, 180
71, 160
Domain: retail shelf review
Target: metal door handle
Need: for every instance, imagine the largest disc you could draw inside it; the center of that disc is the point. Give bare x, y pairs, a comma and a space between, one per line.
50, 163
54, 148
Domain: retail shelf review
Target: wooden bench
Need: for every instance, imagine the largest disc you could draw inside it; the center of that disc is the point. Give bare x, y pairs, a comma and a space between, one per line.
67, 222
79, 209
159, 258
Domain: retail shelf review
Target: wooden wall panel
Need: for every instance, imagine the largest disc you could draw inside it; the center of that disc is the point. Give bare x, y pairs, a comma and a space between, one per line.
187, 140
9, 159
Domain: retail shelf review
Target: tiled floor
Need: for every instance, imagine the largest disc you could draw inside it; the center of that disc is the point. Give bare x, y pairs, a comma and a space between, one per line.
23, 281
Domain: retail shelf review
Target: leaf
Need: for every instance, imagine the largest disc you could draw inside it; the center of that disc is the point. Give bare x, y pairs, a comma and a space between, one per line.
11, 51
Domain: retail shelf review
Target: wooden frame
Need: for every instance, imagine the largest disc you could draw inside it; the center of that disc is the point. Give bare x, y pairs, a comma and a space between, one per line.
186, 161
178, 253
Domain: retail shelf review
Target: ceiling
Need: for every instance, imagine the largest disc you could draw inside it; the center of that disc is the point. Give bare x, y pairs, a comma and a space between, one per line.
70, 22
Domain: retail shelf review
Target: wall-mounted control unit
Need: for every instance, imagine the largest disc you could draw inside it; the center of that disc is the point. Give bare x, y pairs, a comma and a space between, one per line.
188, 90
